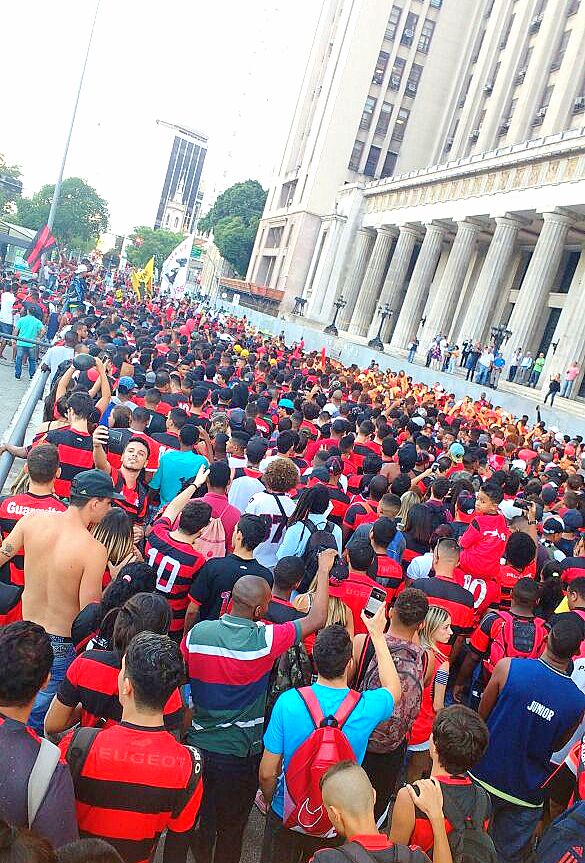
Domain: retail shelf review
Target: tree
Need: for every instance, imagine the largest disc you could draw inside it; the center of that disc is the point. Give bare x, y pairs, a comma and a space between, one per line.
82, 215
234, 221
147, 242
10, 186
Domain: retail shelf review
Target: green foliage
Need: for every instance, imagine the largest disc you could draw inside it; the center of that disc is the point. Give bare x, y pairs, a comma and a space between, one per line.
7, 196
147, 242
234, 221
82, 215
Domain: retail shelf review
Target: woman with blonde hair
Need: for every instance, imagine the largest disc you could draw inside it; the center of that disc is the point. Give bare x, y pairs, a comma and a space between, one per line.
407, 501
434, 634
337, 612
115, 533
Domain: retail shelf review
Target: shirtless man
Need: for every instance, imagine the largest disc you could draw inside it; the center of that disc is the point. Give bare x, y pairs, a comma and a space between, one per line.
63, 570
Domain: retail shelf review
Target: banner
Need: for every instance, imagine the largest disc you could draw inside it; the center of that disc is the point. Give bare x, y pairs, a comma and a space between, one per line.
174, 270
42, 243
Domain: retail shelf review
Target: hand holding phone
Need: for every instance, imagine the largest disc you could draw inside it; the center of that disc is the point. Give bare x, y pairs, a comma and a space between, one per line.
376, 600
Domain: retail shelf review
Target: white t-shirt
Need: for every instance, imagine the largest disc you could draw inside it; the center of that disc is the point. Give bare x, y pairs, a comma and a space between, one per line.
56, 355
7, 301
486, 359
242, 490
264, 503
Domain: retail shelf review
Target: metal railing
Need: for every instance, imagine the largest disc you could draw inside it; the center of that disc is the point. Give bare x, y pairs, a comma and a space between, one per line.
23, 415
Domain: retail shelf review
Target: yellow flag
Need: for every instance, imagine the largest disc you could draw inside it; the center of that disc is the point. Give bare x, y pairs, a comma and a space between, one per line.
147, 275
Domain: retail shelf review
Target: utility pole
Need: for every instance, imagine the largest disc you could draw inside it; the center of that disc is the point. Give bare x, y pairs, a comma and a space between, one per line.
57, 192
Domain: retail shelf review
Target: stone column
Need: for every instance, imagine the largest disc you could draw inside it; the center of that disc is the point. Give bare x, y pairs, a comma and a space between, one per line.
569, 333
362, 249
420, 282
443, 307
367, 299
395, 277
489, 283
527, 319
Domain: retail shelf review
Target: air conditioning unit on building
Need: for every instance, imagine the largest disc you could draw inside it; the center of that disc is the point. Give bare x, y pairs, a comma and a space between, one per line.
579, 104
535, 24
408, 34
474, 135
541, 112
488, 88
520, 75
449, 143
504, 127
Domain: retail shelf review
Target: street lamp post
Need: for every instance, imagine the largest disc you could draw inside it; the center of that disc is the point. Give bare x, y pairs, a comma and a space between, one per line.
385, 312
57, 192
500, 333
340, 303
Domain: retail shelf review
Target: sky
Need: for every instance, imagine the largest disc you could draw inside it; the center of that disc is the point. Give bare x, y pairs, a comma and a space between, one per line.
228, 68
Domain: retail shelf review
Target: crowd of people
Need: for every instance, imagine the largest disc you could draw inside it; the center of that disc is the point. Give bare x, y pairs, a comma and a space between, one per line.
484, 364
234, 573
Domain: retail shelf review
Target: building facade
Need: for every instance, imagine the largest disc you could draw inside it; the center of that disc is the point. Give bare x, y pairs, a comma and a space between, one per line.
180, 198
483, 219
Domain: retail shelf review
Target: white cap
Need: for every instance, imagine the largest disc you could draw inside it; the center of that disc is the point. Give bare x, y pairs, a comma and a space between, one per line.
508, 510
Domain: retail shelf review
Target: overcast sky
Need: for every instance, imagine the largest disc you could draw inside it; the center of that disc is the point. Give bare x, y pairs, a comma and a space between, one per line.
229, 68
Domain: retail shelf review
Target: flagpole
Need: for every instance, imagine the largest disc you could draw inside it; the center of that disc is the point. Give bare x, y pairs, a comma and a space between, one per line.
57, 192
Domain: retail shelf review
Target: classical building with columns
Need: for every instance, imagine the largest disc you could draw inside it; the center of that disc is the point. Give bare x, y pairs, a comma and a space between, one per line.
482, 218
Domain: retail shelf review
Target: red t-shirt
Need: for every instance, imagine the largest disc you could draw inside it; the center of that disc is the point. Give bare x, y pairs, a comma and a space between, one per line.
355, 591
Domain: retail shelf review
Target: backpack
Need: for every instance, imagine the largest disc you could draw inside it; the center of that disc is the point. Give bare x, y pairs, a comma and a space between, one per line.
292, 670
468, 839
410, 661
325, 746
565, 838
512, 639
40, 777
356, 853
211, 542
319, 540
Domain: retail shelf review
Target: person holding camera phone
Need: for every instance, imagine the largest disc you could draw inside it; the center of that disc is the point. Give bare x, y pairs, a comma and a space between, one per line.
129, 479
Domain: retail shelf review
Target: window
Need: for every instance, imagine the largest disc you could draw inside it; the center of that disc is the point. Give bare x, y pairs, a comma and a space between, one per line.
400, 125
366, 120
392, 24
372, 161
384, 118
558, 58
573, 7
436, 4
389, 164
356, 155
380, 69
506, 33
287, 193
413, 79
426, 36
274, 238
397, 73
407, 37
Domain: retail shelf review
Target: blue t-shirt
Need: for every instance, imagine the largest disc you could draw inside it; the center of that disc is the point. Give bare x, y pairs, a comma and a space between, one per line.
291, 724
174, 468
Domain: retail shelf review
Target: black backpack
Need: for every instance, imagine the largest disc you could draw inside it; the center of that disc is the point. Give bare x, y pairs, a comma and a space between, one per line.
467, 813
353, 852
565, 837
292, 670
320, 539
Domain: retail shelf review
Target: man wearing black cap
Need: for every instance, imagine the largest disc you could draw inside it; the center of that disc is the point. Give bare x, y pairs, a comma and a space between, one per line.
63, 569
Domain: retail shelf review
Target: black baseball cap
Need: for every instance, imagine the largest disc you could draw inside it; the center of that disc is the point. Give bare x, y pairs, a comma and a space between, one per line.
94, 483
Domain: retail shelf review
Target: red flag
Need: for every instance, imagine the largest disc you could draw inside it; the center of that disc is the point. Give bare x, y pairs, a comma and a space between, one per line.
323, 355
42, 243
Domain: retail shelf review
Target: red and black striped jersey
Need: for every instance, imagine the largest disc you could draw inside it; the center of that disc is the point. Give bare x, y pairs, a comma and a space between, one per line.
361, 450
456, 600
75, 455
239, 472
12, 509
338, 498
176, 564
92, 681
570, 568
135, 502
135, 783
388, 573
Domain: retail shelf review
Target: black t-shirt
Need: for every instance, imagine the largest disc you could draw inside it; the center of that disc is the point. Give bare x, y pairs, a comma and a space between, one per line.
170, 441
281, 611
212, 589
563, 615
157, 424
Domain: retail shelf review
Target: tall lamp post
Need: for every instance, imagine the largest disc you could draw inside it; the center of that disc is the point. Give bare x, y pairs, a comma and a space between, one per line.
57, 192
500, 333
385, 312
340, 303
